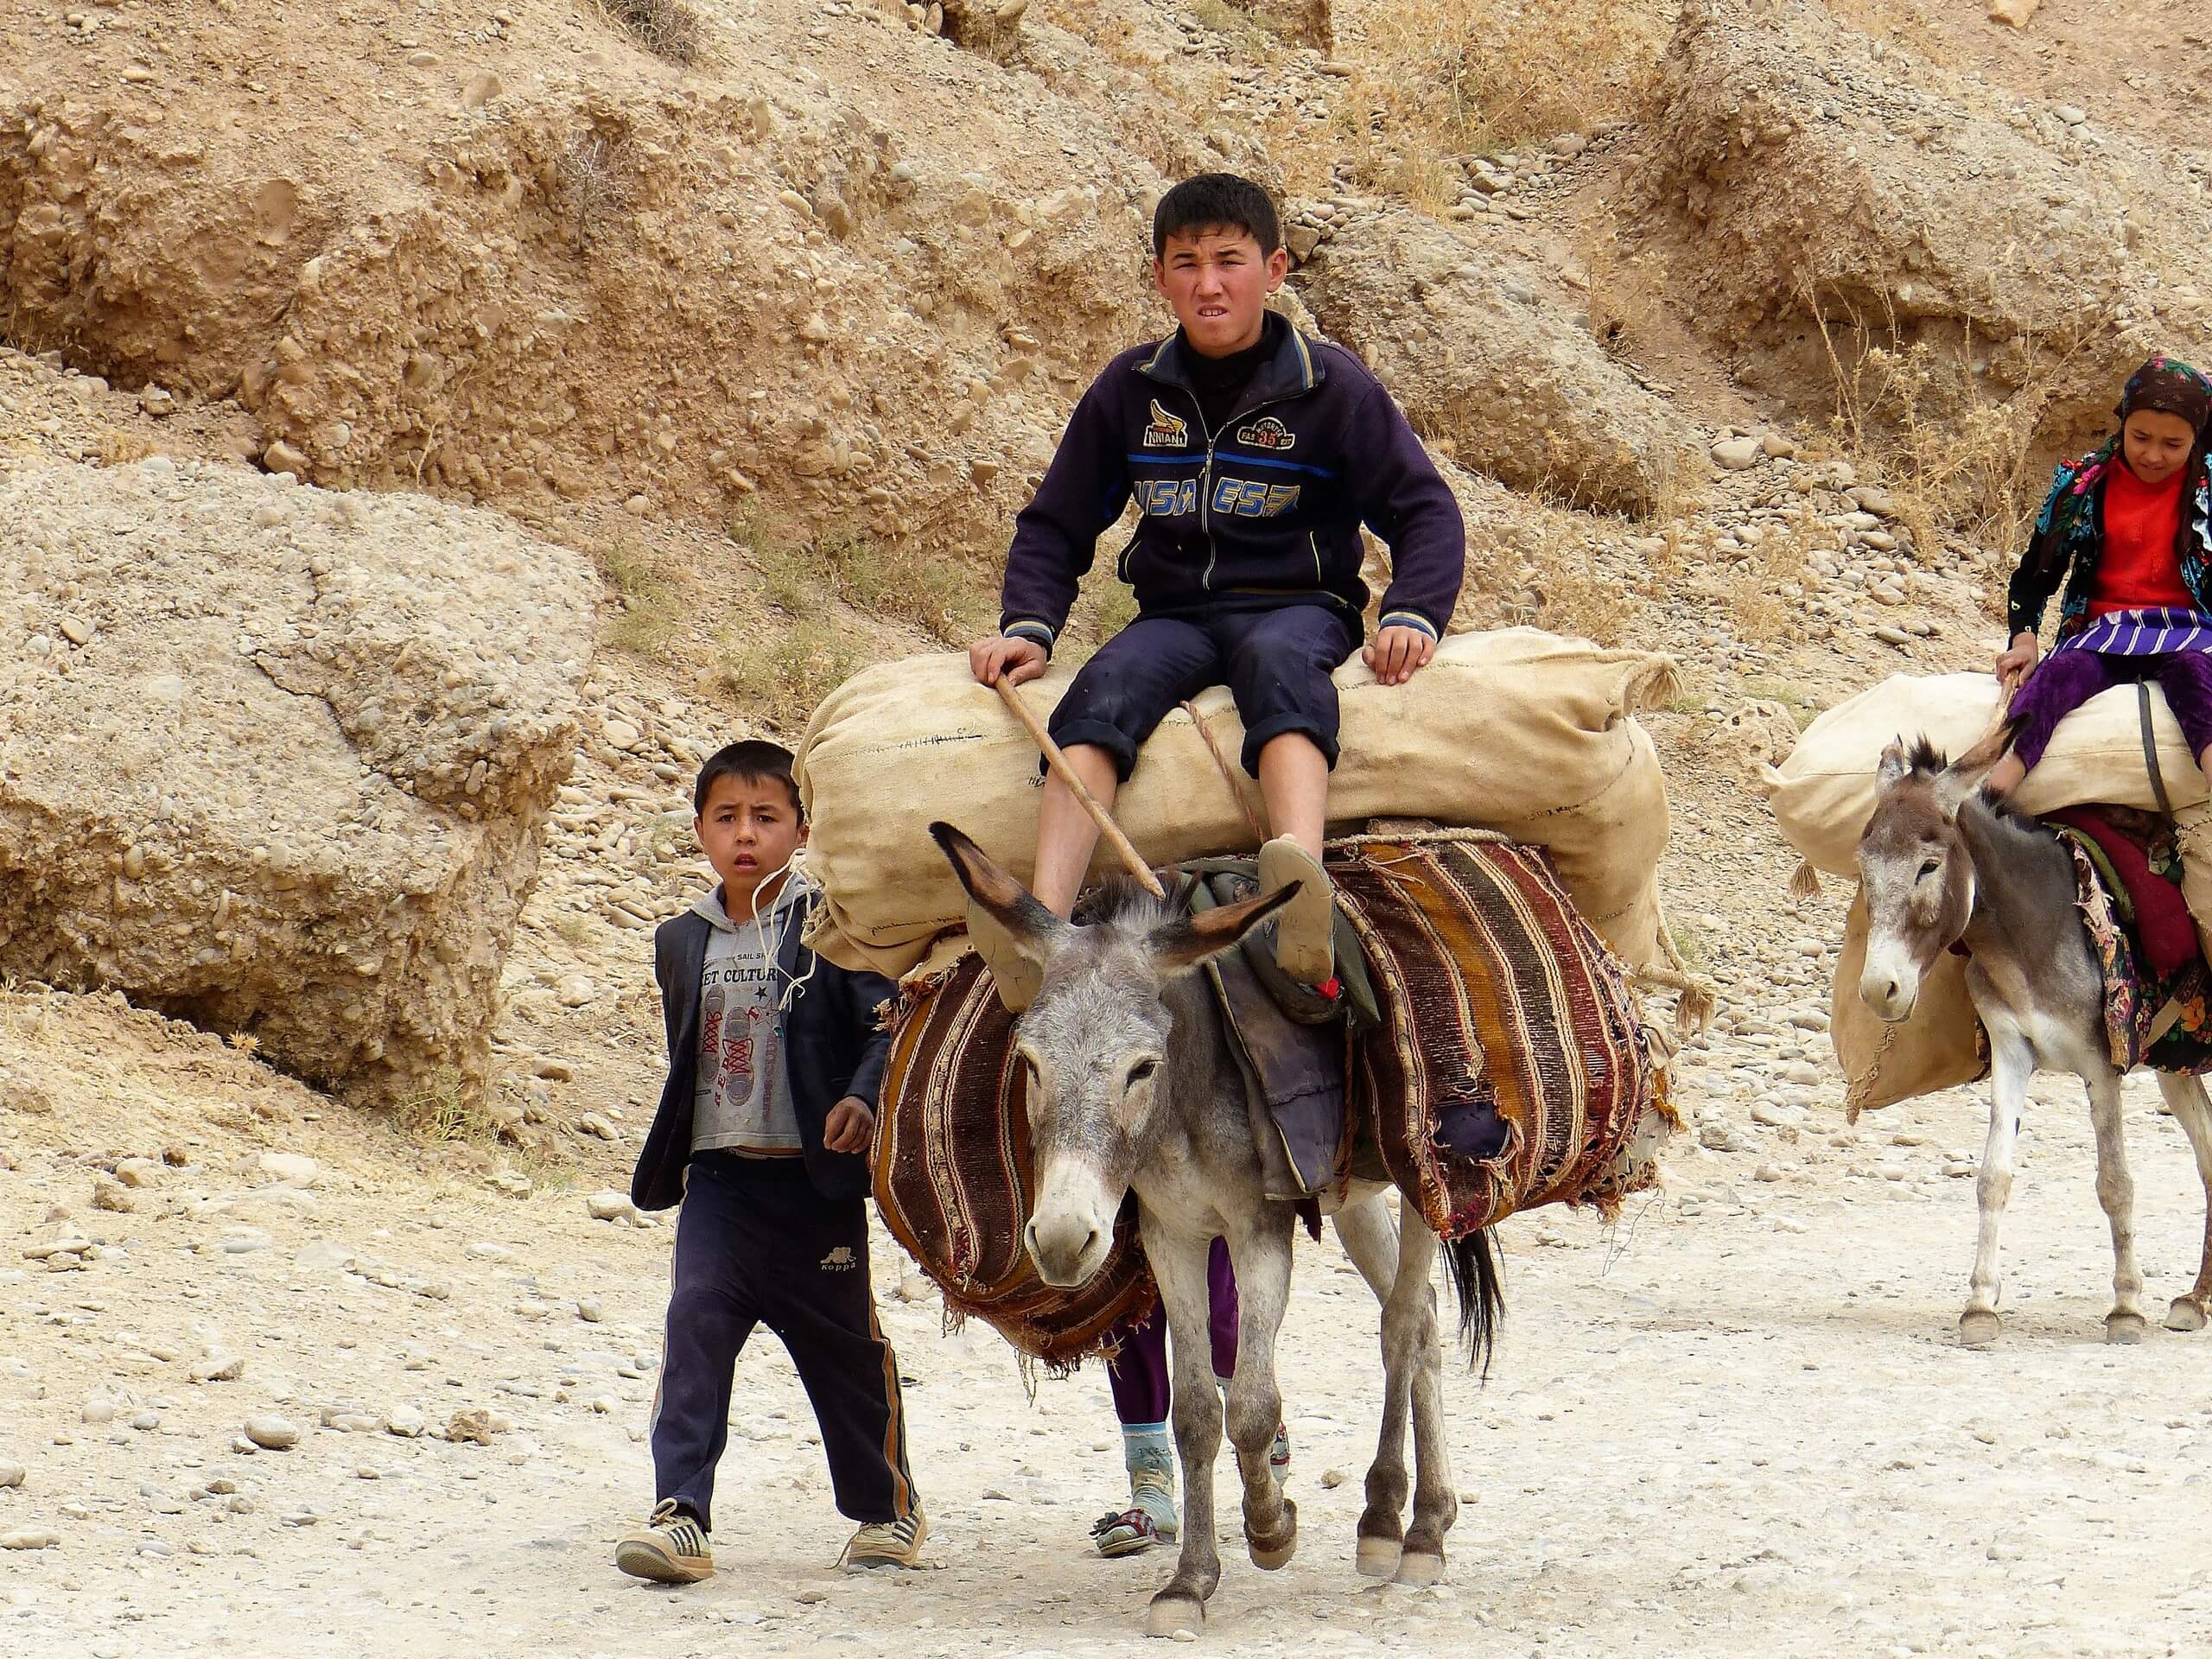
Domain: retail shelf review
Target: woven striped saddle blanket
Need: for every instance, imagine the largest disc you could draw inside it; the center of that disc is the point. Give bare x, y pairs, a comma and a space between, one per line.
1502, 1022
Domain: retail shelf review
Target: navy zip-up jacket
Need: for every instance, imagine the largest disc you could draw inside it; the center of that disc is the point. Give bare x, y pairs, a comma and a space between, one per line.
1270, 504
831, 1043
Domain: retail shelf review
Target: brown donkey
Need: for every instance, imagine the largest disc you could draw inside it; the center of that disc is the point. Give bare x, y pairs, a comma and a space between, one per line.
1942, 866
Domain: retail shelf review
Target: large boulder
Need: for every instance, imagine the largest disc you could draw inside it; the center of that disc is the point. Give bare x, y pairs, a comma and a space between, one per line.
275, 760
1820, 179
1485, 362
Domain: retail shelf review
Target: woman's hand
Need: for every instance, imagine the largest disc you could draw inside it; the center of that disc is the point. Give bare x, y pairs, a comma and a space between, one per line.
849, 1126
2015, 665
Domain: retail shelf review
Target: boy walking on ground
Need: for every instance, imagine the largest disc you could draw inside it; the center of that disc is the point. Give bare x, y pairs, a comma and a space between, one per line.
1255, 456
773, 1062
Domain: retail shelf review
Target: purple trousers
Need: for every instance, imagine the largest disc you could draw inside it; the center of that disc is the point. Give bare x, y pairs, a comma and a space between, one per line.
2065, 680
1138, 1372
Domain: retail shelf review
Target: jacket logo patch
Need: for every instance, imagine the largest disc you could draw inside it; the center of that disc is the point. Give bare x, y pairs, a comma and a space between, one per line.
839, 1259
1253, 497
1167, 431
1267, 432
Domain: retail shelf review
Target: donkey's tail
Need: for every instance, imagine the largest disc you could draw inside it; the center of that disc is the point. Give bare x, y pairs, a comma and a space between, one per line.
1470, 1267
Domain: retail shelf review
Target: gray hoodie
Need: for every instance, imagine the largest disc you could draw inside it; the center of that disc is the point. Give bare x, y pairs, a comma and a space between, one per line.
744, 1099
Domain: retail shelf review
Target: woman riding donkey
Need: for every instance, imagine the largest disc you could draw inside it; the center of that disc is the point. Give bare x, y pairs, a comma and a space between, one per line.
2128, 528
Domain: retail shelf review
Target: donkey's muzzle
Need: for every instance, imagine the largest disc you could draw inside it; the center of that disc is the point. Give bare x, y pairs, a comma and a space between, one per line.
1891, 994
1067, 1250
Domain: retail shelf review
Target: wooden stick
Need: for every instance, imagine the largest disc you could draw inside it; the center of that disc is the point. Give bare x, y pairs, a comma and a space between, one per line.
1065, 773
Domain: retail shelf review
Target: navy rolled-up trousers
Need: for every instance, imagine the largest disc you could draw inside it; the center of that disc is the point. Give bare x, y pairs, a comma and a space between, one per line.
757, 1244
1276, 663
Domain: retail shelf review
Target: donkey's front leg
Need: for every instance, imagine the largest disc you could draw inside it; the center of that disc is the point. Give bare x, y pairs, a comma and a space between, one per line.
1262, 1258
2012, 1062
2116, 1191
1178, 1264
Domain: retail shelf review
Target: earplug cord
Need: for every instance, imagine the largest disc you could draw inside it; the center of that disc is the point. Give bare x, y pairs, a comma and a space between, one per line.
772, 945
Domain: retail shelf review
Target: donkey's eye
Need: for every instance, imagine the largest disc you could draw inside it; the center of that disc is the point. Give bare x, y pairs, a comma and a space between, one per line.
1929, 865
1142, 1070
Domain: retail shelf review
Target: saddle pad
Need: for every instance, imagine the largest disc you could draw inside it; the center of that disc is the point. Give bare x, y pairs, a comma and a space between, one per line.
2135, 996
1496, 998
954, 1181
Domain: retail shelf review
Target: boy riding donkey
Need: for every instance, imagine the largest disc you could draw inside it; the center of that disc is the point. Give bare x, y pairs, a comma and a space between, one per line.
1254, 454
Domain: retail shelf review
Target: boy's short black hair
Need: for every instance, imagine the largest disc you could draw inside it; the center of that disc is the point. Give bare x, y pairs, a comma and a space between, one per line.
1215, 202
754, 761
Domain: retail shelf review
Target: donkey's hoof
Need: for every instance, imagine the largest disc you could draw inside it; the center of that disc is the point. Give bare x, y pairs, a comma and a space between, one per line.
2125, 1329
2185, 1315
1978, 1328
1173, 1613
1377, 1558
1419, 1567
1274, 1550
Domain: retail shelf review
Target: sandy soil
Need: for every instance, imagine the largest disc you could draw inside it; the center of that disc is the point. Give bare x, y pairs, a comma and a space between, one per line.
1735, 1423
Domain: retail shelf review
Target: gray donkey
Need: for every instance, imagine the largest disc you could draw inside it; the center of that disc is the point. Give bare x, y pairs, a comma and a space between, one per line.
1943, 865
1132, 1084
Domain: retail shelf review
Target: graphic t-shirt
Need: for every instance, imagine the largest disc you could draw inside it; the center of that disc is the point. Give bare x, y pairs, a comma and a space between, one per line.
744, 1098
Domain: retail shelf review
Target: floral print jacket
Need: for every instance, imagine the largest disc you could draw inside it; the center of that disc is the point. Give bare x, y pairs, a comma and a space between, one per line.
2070, 539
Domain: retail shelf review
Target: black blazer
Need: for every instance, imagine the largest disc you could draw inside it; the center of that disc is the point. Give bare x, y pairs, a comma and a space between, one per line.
832, 1045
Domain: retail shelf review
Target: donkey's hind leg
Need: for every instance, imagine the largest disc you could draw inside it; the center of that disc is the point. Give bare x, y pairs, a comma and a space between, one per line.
1370, 1238
1411, 1345
2116, 1191
2011, 1064
2193, 1113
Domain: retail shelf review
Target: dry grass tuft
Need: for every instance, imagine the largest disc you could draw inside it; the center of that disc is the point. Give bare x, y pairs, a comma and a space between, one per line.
1625, 292
784, 672
651, 607
1960, 458
594, 182
942, 597
667, 29
438, 1112
1484, 75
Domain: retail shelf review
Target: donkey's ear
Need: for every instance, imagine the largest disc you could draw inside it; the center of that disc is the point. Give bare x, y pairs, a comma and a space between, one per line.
1012, 932
1895, 764
1958, 781
1182, 944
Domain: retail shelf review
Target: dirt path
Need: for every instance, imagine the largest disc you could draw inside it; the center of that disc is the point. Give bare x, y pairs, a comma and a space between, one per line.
1735, 1424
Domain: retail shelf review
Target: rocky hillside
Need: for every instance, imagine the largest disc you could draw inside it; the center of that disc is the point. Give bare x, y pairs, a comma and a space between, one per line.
425, 432
1755, 354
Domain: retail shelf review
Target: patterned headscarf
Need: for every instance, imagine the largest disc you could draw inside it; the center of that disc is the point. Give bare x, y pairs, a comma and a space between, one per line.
2171, 387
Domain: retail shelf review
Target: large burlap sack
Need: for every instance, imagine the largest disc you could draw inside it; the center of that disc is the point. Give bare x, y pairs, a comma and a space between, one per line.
1941, 1046
1517, 731
1823, 794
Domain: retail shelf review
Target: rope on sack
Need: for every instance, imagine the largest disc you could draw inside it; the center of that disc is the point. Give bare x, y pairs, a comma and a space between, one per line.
1862, 1086
1698, 996
1259, 832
